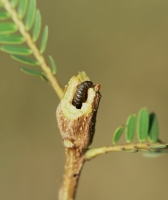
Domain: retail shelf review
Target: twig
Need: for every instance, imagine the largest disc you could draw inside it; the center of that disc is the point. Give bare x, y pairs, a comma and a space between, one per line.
77, 129
73, 167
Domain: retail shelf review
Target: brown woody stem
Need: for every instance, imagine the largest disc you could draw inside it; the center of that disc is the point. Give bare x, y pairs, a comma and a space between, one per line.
73, 166
77, 129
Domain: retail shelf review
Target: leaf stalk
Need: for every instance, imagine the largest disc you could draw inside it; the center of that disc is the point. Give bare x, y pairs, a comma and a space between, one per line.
94, 152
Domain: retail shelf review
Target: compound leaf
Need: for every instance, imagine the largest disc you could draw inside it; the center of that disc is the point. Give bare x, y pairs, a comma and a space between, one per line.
26, 10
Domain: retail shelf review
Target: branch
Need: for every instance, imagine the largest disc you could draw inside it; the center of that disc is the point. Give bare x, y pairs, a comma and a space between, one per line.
77, 130
133, 148
73, 167
40, 58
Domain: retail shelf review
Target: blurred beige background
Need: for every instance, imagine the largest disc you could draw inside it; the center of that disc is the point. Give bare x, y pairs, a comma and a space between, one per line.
123, 45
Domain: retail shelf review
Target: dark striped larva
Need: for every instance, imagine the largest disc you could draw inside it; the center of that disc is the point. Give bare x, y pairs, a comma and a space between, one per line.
81, 94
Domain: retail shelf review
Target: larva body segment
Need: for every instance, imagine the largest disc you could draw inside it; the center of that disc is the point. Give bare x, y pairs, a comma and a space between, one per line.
81, 94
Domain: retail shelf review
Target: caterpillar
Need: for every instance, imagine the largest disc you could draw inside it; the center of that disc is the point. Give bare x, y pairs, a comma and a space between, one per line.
81, 94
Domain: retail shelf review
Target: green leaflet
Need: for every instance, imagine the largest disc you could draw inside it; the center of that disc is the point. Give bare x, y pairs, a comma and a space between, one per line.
37, 26
44, 78
44, 40
53, 65
25, 60
22, 7
143, 125
153, 128
30, 16
12, 39
130, 128
30, 71
19, 50
34, 73
117, 134
7, 28
0, 4
4, 15
14, 2
155, 154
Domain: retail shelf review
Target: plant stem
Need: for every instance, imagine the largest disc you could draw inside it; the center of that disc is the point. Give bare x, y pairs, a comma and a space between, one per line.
133, 148
73, 166
40, 58
77, 128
